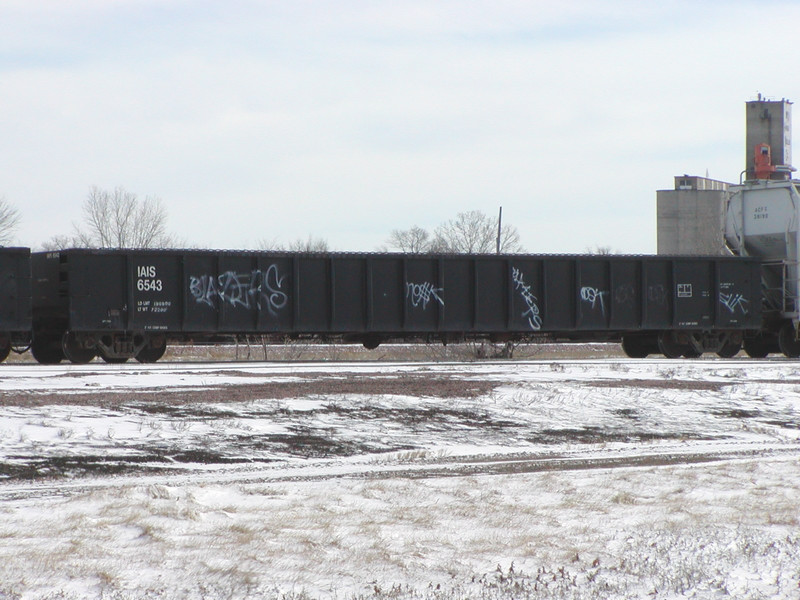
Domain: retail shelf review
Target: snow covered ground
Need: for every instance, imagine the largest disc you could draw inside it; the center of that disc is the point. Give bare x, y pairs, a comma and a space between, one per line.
539, 479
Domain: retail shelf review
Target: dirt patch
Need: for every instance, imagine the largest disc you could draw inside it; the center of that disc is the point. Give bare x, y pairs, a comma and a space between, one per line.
432, 386
659, 384
736, 413
597, 435
308, 443
27, 468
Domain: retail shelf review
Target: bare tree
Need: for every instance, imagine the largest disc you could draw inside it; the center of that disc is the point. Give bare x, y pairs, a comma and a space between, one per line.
601, 250
9, 221
415, 240
61, 242
270, 245
119, 219
473, 232
509, 240
311, 244
469, 232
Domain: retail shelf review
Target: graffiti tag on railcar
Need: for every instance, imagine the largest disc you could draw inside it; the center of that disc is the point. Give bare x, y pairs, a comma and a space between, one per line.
733, 301
531, 303
256, 289
594, 297
420, 294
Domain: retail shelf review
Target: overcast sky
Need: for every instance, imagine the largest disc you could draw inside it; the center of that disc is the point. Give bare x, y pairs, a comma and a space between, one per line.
345, 119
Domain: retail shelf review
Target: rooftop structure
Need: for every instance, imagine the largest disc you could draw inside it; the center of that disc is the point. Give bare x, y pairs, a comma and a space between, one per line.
768, 139
691, 218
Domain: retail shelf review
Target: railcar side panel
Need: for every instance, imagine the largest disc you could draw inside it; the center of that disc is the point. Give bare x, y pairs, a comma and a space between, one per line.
458, 281
387, 293
97, 291
237, 284
201, 293
15, 291
525, 295
272, 285
657, 292
594, 295
155, 293
491, 289
311, 294
425, 297
694, 298
625, 296
739, 294
349, 294
560, 298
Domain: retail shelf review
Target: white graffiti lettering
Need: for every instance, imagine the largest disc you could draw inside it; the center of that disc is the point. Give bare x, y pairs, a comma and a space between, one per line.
532, 304
734, 301
257, 289
423, 293
594, 296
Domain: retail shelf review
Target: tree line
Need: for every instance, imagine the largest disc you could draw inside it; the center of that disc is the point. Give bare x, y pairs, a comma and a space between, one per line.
471, 232
121, 219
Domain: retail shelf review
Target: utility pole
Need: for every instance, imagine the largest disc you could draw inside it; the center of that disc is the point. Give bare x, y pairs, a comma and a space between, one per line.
499, 228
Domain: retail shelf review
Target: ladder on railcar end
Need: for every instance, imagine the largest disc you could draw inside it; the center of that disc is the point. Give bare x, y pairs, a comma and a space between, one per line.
786, 298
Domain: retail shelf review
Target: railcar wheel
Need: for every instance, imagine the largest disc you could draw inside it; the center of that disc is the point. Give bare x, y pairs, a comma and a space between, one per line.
669, 347
691, 352
636, 346
74, 352
113, 360
729, 349
370, 342
787, 341
150, 354
756, 347
47, 350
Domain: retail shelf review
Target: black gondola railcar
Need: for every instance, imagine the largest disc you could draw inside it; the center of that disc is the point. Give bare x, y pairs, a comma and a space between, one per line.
131, 303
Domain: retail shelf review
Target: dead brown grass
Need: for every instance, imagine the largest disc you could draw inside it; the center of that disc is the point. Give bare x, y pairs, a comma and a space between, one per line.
312, 352
435, 386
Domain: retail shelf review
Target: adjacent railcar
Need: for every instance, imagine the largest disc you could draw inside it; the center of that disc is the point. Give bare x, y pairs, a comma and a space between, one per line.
120, 304
15, 299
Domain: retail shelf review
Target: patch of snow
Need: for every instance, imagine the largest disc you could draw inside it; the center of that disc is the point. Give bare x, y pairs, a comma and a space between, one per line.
569, 479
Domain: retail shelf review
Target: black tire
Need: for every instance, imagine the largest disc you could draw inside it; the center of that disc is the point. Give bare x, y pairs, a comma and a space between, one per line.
788, 342
75, 353
151, 354
46, 350
5, 348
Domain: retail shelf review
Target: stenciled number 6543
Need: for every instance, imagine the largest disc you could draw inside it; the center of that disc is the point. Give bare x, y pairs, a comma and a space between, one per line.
149, 285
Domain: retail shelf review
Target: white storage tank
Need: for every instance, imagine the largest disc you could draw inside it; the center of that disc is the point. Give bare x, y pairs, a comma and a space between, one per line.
762, 221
